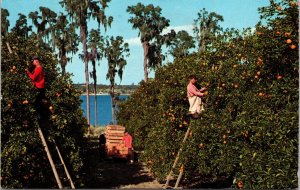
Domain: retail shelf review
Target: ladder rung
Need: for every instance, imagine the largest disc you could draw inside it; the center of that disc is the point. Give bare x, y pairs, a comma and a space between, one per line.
59, 165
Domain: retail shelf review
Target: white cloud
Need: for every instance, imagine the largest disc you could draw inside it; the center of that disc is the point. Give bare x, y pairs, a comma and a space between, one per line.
133, 41
188, 28
137, 42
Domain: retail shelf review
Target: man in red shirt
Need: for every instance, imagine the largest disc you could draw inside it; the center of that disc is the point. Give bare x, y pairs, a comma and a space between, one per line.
37, 77
128, 143
194, 94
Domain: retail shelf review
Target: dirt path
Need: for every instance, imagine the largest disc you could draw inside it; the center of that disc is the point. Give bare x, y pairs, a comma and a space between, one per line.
119, 174
115, 173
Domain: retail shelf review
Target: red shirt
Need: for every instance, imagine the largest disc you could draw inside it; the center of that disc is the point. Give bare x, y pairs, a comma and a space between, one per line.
37, 77
128, 141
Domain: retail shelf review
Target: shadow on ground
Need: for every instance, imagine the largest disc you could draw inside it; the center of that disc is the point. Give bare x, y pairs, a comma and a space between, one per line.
116, 173
112, 173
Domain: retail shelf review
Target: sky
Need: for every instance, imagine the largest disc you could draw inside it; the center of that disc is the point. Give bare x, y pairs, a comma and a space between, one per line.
181, 13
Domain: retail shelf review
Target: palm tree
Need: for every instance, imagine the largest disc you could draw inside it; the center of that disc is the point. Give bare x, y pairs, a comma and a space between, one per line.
65, 39
4, 21
116, 50
50, 17
21, 28
95, 43
40, 22
206, 26
150, 23
80, 12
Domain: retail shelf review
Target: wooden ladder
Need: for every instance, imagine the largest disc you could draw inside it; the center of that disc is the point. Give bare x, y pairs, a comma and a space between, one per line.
53, 166
176, 162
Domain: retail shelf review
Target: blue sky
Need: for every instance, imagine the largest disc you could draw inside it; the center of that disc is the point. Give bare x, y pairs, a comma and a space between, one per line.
181, 13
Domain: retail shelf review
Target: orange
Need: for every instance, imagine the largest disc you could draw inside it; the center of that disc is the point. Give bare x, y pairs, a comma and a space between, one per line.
293, 46
278, 33
259, 61
224, 142
279, 77
240, 184
25, 102
14, 67
201, 145
261, 94
288, 41
286, 34
50, 108
259, 33
292, 3
279, 8
26, 177
258, 72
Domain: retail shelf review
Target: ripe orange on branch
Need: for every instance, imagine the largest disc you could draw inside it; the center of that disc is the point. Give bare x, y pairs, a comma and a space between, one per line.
279, 8
288, 41
292, 3
240, 184
25, 102
287, 34
201, 145
259, 61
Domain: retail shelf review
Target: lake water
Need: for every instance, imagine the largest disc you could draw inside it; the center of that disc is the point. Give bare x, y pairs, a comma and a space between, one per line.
104, 107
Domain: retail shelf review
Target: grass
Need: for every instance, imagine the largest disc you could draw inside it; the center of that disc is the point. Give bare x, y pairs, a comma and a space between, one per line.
95, 131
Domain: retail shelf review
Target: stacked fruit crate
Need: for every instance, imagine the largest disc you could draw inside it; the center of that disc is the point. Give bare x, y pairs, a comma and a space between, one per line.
114, 144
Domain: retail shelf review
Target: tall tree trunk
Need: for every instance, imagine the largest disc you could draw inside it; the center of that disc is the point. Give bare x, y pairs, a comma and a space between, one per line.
63, 65
146, 49
95, 91
113, 103
84, 43
95, 109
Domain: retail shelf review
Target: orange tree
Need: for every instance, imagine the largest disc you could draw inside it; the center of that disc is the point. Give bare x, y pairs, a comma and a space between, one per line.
249, 131
23, 160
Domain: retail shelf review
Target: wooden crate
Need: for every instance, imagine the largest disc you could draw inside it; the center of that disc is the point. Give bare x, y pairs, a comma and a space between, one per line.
114, 144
